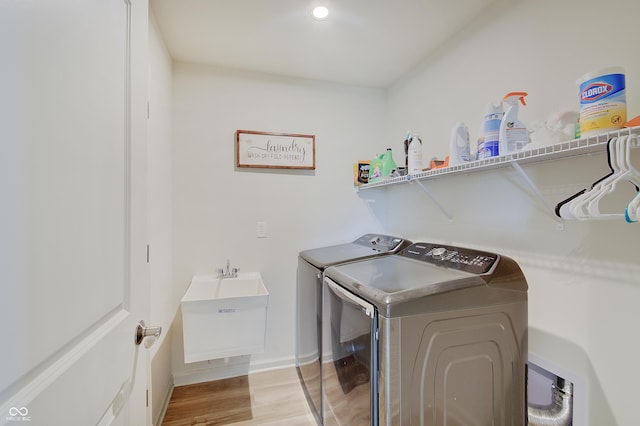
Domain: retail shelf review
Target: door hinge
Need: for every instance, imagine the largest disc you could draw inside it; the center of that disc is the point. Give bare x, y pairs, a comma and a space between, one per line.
147, 253
148, 112
147, 398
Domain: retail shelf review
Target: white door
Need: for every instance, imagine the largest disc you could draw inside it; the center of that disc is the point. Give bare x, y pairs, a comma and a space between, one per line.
73, 271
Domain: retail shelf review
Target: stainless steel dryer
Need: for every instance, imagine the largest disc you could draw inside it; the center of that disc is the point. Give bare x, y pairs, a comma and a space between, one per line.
311, 265
435, 335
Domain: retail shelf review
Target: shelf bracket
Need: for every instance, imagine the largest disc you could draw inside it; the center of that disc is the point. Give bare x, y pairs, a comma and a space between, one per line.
433, 199
538, 194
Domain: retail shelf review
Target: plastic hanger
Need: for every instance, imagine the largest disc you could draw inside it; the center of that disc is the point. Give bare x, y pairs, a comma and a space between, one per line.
564, 208
587, 206
623, 173
586, 203
627, 172
632, 141
632, 212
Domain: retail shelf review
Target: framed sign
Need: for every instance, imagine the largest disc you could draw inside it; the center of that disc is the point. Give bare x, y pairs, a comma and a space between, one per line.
275, 150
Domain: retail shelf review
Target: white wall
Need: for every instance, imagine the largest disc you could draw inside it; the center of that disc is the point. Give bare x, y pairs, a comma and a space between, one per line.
541, 47
163, 298
584, 281
216, 206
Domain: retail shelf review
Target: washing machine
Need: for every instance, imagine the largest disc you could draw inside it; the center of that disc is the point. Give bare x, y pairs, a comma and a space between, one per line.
434, 335
311, 265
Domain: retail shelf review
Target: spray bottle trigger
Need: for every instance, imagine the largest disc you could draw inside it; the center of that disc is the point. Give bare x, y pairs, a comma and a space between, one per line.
520, 96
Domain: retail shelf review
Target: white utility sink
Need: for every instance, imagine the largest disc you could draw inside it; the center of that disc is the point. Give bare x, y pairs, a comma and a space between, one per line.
223, 317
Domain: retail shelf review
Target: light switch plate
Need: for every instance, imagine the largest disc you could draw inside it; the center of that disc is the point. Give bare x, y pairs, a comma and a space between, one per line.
261, 229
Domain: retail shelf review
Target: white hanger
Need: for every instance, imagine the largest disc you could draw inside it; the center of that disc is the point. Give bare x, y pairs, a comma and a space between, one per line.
576, 206
632, 212
564, 208
622, 173
634, 176
627, 172
586, 204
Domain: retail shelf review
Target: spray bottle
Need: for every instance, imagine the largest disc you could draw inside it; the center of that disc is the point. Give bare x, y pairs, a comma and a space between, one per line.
489, 143
513, 132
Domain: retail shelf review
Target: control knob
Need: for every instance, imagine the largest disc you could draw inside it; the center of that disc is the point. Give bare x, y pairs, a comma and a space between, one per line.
439, 252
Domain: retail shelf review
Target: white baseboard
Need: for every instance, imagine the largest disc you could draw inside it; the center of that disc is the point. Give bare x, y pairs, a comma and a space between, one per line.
165, 405
224, 370
272, 364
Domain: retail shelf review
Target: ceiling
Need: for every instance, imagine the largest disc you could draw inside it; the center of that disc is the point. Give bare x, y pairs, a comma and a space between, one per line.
369, 43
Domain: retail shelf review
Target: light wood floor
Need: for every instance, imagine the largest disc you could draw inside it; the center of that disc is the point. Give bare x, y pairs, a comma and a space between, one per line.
269, 398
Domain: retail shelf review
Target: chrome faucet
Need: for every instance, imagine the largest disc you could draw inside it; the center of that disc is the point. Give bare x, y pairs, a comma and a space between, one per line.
229, 272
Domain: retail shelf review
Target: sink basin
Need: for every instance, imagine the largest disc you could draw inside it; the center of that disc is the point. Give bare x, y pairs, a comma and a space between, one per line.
224, 317
210, 287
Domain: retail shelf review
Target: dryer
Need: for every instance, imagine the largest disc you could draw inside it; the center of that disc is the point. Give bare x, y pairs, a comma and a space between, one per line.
311, 265
435, 335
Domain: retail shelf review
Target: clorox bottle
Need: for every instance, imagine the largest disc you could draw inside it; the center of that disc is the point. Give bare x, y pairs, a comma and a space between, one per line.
513, 133
603, 101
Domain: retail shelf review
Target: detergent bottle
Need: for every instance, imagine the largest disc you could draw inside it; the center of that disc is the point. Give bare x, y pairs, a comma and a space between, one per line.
382, 166
459, 148
388, 165
513, 133
375, 169
414, 163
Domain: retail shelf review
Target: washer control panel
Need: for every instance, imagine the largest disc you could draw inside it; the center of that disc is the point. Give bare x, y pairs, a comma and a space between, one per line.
468, 260
378, 242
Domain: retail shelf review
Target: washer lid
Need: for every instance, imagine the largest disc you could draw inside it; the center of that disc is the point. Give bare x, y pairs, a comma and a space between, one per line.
392, 277
368, 245
415, 281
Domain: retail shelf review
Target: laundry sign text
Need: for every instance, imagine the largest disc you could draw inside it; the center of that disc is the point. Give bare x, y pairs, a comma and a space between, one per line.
275, 150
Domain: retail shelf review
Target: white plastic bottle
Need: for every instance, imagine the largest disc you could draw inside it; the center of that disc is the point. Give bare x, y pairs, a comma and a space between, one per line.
513, 133
459, 149
414, 155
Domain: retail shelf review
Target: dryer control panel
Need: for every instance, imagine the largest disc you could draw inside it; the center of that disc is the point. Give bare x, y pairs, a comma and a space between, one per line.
468, 260
378, 242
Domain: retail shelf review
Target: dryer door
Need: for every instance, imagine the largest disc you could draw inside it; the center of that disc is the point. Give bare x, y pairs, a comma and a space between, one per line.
350, 358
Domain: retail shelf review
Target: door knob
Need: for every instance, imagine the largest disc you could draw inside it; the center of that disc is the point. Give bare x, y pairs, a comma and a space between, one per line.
143, 331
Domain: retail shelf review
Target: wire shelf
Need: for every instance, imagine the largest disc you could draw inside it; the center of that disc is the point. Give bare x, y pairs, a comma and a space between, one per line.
567, 149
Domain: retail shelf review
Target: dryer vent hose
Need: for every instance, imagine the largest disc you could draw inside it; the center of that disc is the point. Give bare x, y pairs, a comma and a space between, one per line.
559, 412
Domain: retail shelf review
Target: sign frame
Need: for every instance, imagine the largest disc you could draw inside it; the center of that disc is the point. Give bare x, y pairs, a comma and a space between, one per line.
275, 150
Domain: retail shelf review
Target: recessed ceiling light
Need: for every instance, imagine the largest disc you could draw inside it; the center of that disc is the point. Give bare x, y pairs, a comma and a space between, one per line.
320, 12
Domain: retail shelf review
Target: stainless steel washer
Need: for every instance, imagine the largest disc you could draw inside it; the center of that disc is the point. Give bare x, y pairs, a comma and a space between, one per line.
436, 335
311, 265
